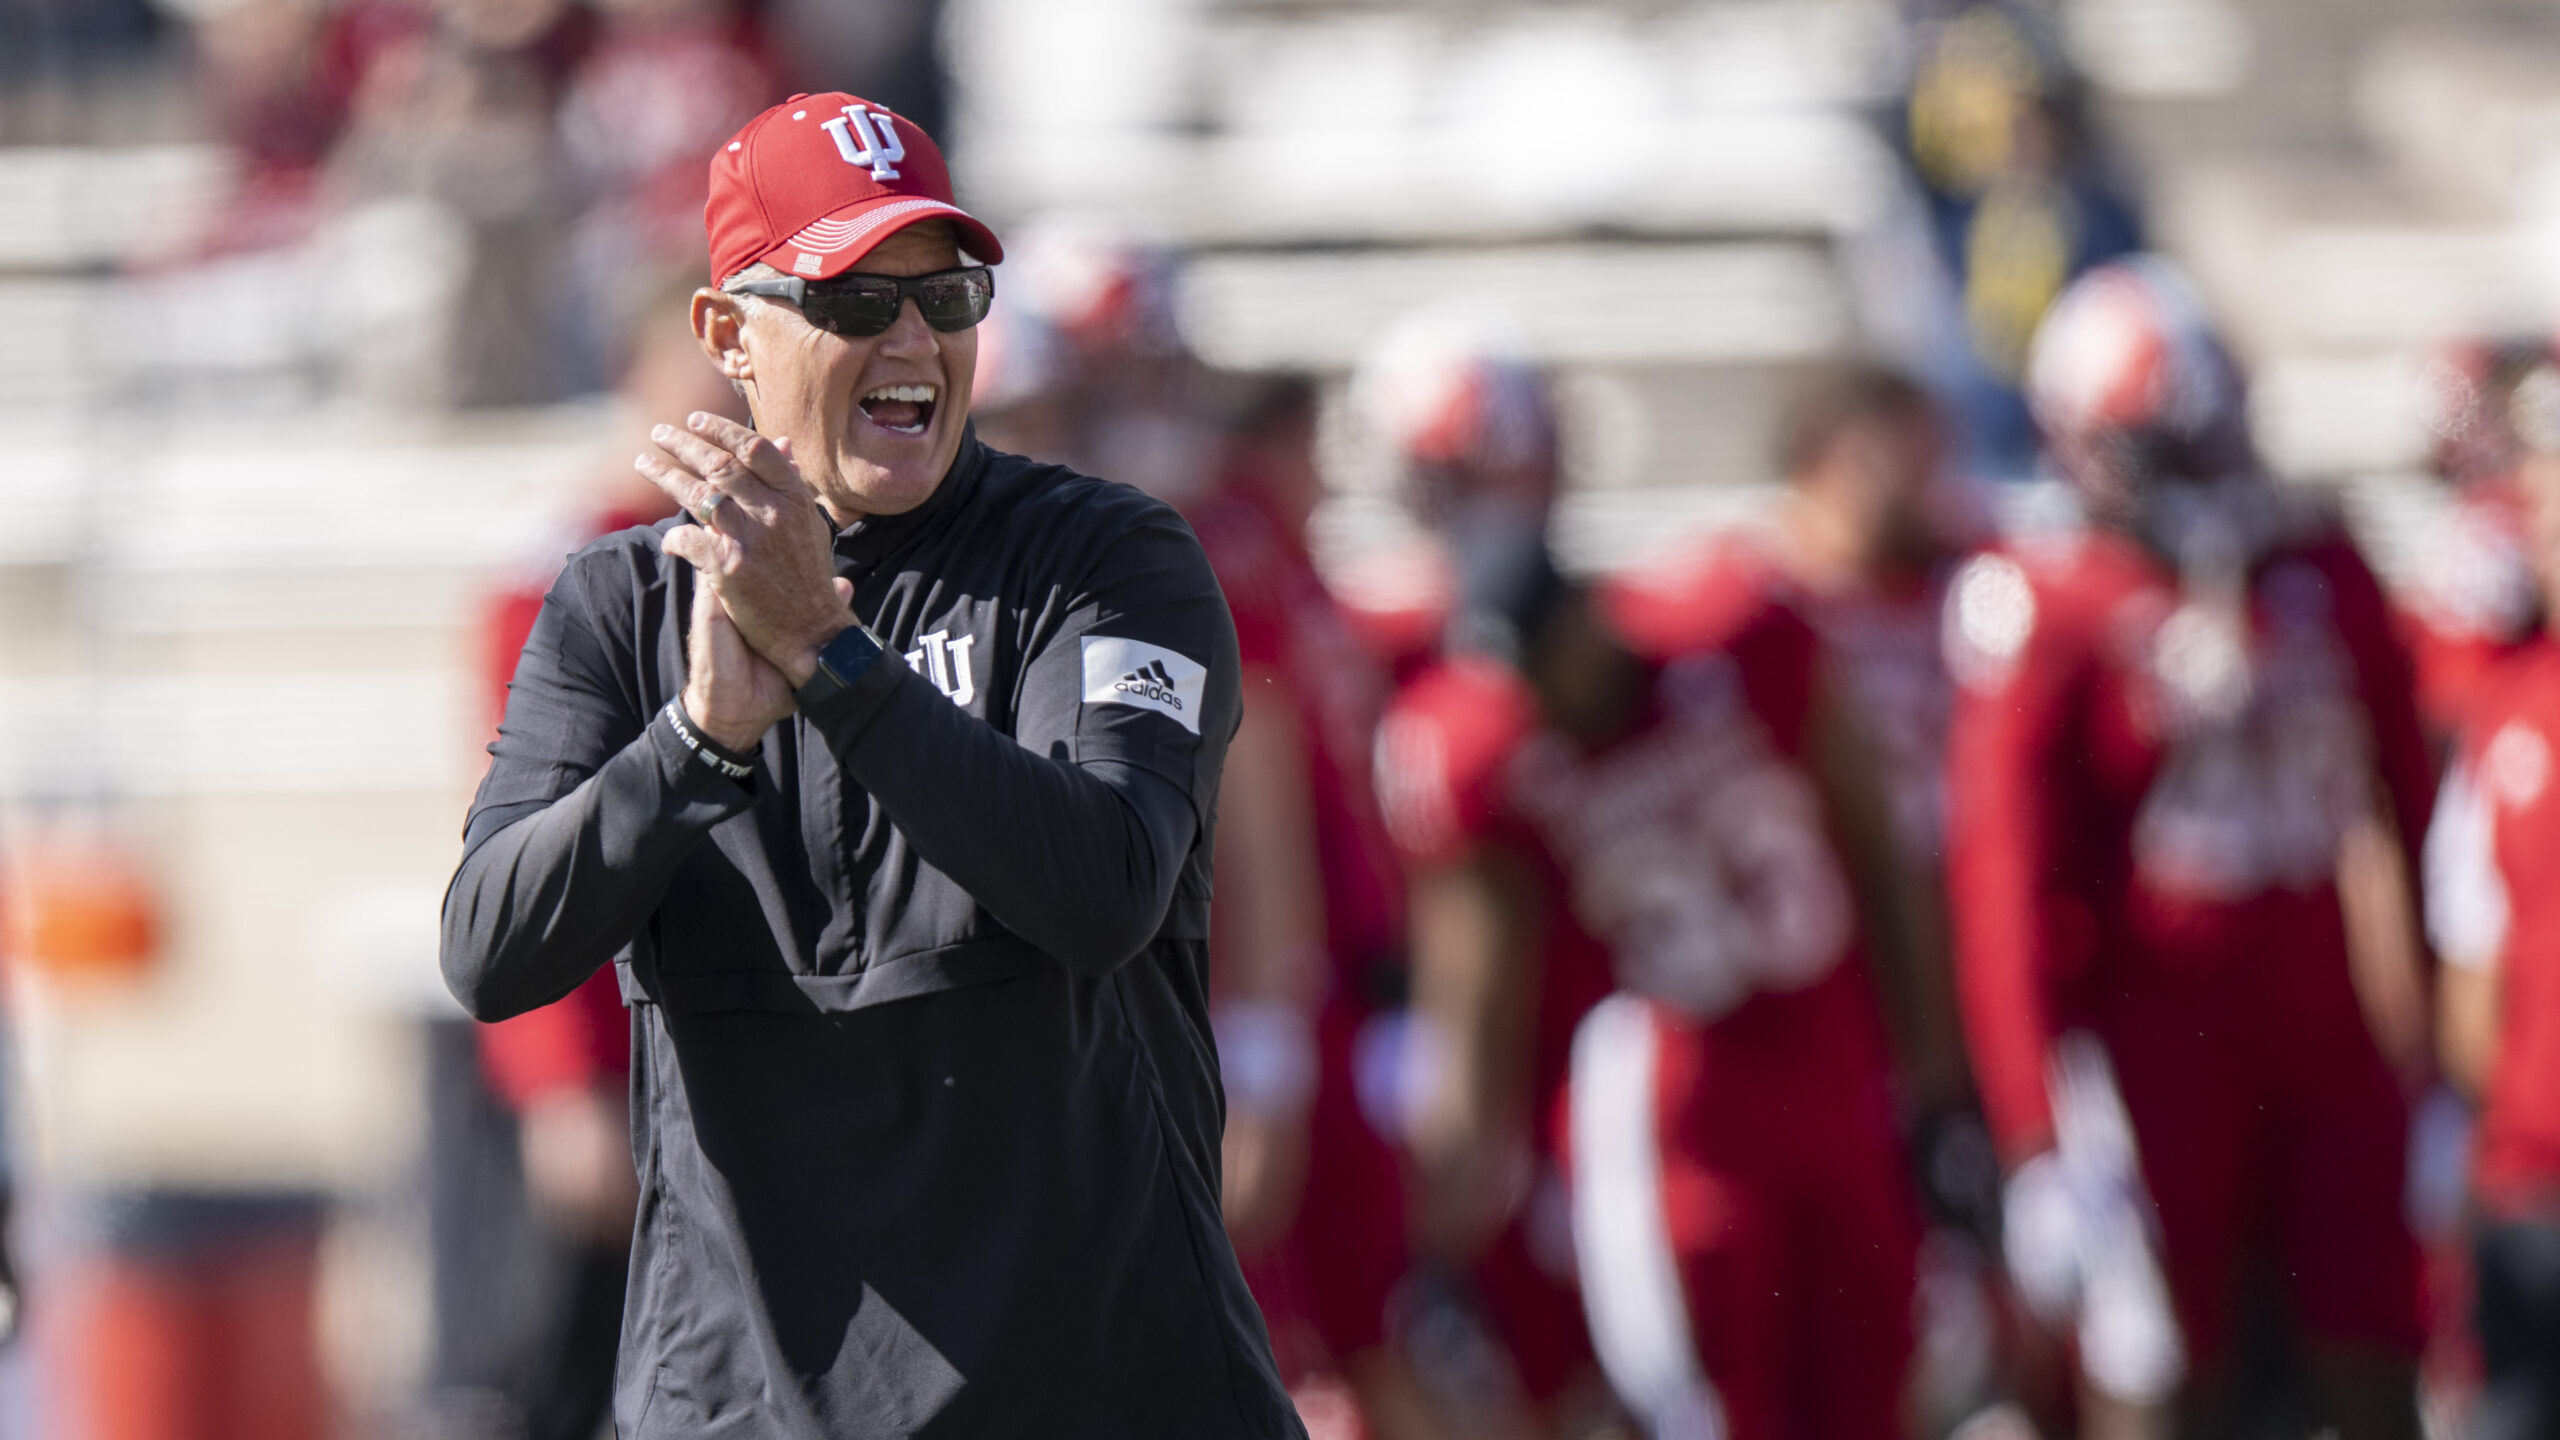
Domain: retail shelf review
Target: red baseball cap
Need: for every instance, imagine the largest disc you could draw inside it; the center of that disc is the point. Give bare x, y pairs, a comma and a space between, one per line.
811, 185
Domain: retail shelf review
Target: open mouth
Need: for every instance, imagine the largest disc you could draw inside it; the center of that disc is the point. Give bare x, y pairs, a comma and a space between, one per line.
901, 409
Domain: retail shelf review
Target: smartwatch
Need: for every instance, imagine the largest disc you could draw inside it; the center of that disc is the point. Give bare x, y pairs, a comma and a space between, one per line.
843, 661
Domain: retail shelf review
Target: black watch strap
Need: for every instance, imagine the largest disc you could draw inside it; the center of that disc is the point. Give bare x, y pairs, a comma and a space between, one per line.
846, 659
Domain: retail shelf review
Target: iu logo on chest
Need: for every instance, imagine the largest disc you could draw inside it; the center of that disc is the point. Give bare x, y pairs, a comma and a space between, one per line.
943, 658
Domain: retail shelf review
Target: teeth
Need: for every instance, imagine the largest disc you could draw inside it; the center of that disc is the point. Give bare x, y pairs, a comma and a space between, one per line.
913, 394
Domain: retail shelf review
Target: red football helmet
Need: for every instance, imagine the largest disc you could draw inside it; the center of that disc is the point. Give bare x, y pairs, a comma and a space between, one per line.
1096, 285
2486, 402
1457, 404
2131, 386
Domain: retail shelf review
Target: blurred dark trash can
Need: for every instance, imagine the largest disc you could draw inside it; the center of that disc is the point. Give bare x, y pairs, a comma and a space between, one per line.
190, 1316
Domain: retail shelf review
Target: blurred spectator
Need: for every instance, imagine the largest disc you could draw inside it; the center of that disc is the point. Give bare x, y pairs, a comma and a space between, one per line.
279, 78
533, 1134
665, 83
2187, 780
460, 116
889, 50
2473, 601
2015, 199
58, 57
2491, 901
1306, 939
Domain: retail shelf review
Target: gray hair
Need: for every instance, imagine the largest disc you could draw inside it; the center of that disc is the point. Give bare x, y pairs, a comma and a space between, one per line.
751, 304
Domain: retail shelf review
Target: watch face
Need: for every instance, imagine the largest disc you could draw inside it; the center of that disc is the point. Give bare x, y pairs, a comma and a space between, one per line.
843, 660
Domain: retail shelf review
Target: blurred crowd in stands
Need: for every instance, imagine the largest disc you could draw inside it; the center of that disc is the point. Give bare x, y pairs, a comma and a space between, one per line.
1920, 963
470, 200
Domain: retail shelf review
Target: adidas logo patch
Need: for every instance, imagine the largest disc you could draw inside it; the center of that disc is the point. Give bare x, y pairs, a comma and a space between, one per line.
1134, 673
1151, 681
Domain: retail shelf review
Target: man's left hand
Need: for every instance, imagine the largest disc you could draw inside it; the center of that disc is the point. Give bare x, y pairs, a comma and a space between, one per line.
758, 537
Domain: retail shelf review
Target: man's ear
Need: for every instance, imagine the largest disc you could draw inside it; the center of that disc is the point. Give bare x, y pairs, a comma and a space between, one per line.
720, 324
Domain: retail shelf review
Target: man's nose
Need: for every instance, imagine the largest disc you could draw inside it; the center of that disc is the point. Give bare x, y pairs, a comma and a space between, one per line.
908, 334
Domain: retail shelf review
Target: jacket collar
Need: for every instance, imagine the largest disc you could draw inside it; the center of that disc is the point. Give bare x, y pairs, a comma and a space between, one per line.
867, 540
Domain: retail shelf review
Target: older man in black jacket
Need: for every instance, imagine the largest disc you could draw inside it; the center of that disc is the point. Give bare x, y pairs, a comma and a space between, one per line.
889, 781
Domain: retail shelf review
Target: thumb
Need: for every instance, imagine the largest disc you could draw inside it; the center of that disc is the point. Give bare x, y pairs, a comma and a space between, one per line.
844, 590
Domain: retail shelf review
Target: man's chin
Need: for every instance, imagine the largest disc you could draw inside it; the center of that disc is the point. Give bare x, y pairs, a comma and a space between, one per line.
897, 477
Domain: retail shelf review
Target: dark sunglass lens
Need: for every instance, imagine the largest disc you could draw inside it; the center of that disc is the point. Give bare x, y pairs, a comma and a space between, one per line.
855, 308
956, 299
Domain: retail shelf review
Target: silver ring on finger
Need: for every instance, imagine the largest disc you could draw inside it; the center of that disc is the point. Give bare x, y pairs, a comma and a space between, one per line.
706, 511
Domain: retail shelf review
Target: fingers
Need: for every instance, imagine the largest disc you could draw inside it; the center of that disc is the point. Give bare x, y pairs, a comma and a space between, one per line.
844, 590
697, 639
710, 463
681, 485
770, 462
697, 547
729, 455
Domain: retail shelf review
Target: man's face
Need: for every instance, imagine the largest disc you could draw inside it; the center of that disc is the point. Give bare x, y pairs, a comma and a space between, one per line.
849, 405
1889, 476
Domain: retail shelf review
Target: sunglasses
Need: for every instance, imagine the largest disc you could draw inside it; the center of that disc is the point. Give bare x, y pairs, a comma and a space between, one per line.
862, 305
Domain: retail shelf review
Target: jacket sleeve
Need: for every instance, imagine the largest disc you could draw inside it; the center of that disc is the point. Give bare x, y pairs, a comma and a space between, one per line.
587, 809
2018, 924
1073, 831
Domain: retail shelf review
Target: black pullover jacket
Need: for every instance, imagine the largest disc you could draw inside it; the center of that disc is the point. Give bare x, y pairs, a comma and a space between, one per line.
924, 1102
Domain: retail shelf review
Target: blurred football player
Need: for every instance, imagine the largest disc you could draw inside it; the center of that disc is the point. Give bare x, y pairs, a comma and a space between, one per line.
1871, 529
1094, 371
1495, 1320
2493, 908
2186, 779
2471, 600
1307, 937
1693, 826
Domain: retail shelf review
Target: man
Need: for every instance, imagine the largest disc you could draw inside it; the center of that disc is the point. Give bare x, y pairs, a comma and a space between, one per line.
926, 1106
1091, 309
2471, 602
1499, 1329
1862, 546
2494, 913
2185, 773
1308, 934
1693, 828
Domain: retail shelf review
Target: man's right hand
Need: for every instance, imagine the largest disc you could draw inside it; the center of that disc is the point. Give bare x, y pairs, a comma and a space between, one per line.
731, 693
759, 538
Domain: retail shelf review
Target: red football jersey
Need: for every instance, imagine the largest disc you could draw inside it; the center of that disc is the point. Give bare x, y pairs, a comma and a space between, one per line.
1689, 860
1886, 637
1287, 621
2492, 897
583, 1039
2149, 787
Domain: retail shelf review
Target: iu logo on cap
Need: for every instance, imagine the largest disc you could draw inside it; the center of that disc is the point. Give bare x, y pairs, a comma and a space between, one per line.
860, 144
